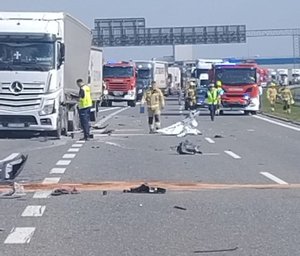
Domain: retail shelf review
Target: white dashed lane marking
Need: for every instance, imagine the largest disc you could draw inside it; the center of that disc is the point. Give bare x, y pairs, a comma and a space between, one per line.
80, 141
233, 155
274, 178
73, 149
34, 211
57, 170
209, 140
77, 145
69, 156
63, 162
20, 235
53, 180
42, 194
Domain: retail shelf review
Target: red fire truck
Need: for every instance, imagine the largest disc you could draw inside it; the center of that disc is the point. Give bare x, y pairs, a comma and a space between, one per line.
241, 85
120, 81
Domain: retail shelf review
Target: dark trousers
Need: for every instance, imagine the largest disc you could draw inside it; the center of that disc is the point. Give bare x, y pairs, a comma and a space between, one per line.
212, 110
84, 115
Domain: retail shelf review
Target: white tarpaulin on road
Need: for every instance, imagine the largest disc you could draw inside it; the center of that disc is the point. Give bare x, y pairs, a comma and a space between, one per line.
182, 128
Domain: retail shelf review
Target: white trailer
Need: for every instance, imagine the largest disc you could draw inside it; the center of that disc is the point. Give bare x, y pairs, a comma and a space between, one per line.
42, 54
95, 80
175, 79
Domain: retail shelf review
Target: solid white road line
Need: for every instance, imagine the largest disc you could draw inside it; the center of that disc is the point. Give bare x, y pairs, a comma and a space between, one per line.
122, 134
69, 156
57, 170
42, 194
274, 178
278, 123
108, 109
102, 121
51, 180
20, 236
63, 162
77, 145
209, 140
73, 149
34, 211
230, 153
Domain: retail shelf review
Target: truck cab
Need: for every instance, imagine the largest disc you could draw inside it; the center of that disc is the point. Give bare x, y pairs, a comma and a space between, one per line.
240, 83
120, 79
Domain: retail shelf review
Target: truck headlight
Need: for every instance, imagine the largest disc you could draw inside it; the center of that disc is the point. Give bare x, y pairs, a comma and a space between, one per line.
48, 108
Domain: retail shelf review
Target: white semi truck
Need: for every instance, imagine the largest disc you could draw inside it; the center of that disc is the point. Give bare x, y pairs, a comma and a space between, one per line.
95, 79
42, 54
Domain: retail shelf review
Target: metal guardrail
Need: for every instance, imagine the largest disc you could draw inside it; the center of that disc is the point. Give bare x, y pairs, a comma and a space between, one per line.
296, 92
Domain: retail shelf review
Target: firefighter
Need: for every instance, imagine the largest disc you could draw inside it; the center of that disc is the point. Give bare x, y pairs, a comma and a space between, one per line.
190, 96
287, 98
220, 92
85, 104
272, 95
212, 100
155, 101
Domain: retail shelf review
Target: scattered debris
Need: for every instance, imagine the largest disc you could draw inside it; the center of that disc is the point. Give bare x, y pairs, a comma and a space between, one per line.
104, 193
146, 189
141, 205
11, 166
218, 136
180, 208
16, 191
183, 128
220, 250
187, 148
100, 127
121, 124
63, 191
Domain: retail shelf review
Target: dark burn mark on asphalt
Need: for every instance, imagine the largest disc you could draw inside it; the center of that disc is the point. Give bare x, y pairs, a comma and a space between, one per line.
220, 250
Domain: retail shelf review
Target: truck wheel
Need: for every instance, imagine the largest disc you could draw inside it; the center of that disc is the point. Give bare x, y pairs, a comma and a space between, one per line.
254, 112
131, 103
246, 112
57, 133
109, 103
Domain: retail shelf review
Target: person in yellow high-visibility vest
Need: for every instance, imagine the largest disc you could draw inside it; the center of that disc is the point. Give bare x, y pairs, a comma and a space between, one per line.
212, 100
85, 104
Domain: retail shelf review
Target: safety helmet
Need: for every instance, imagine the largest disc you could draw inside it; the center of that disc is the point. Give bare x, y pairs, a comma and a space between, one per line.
219, 83
272, 84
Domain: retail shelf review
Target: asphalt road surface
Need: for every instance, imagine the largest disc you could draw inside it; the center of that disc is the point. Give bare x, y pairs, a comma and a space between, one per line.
249, 220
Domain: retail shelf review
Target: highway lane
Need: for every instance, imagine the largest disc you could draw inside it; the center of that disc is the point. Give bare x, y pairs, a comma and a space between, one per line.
258, 222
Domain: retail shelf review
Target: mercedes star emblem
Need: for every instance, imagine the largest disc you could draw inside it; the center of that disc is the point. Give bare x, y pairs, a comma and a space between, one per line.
16, 87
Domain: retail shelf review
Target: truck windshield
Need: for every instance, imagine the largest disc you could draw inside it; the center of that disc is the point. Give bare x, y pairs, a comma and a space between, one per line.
144, 74
236, 76
117, 71
26, 56
197, 72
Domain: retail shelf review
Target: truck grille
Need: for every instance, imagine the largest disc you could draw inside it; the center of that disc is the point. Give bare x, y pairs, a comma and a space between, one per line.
28, 99
118, 87
18, 120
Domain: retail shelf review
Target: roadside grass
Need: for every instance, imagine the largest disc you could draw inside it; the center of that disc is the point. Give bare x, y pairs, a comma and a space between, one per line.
279, 112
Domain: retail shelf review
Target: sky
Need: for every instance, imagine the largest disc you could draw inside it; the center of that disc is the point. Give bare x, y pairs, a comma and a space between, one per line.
255, 14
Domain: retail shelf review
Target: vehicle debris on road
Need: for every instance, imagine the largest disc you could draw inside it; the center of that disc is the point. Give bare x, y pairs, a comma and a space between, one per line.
180, 208
11, 166
146, 189
64, 191
184, 127
188, 148
218, 136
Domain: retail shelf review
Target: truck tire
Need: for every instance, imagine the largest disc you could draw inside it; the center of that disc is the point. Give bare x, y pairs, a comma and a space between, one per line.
131, 103
246, 112
57, 133
254, 113
109, 103
221, 112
